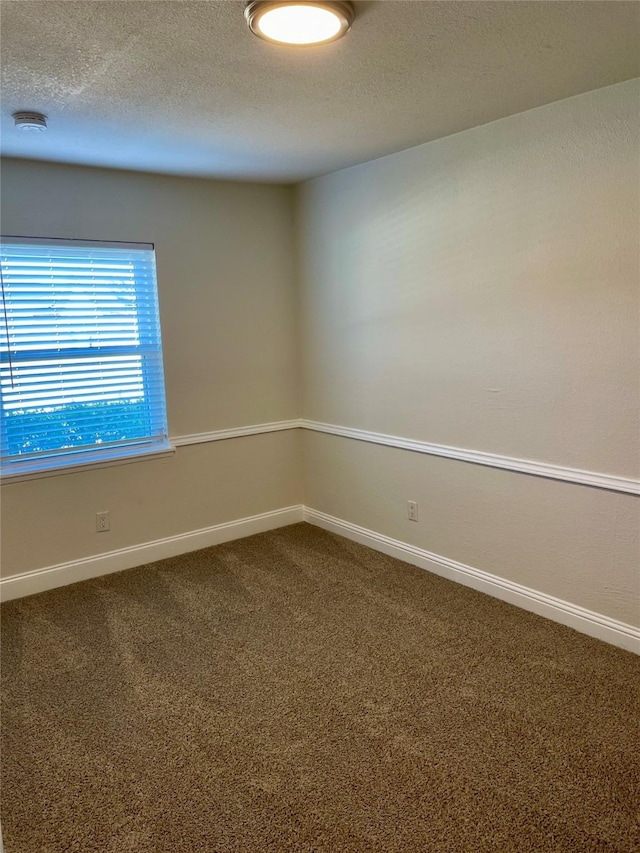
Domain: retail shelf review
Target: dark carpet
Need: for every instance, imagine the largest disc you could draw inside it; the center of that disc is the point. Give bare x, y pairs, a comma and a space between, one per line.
294, 691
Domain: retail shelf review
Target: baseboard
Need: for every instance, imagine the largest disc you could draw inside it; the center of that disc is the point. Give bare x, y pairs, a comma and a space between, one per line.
40, 580
586, 621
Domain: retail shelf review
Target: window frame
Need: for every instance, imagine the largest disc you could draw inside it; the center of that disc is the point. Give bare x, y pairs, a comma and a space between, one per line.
87, 457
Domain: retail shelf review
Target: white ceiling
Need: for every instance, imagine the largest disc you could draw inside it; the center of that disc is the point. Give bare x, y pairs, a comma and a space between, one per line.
182, 87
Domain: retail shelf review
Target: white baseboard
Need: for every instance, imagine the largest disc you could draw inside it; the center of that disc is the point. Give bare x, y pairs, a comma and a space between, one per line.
40, 580
586, 621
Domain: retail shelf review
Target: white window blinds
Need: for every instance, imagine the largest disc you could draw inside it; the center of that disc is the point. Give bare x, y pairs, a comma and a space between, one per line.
81, 376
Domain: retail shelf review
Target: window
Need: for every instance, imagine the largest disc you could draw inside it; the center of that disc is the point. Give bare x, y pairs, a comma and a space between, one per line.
81, 377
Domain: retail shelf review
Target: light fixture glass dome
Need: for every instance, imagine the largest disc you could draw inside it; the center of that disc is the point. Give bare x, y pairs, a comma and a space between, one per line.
299, 23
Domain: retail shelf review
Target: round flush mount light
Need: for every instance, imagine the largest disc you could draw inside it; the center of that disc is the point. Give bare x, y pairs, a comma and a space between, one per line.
299, 23
30, 121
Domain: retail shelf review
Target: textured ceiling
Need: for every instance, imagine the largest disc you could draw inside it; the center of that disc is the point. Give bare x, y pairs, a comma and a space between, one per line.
182, 87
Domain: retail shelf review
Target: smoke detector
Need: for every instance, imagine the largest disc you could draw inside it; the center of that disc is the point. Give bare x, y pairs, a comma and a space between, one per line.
30, 121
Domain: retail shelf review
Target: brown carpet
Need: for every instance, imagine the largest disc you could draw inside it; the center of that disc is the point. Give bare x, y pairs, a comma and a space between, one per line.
295, 691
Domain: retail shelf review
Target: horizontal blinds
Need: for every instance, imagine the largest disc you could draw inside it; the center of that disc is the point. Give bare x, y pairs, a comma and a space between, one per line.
80, 348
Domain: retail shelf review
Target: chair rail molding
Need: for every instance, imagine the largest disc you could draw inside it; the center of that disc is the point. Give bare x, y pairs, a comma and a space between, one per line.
577, 476
234, 432
609, 482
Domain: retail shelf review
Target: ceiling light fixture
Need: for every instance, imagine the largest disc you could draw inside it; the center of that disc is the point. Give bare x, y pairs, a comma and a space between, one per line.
299, 23
30, 121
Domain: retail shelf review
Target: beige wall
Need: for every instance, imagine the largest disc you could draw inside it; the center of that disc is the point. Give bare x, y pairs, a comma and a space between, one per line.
225, 281
576, 543
481, 291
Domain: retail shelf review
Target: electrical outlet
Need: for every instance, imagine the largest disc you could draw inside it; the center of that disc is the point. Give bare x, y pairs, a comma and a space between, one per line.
412, 513
102, 522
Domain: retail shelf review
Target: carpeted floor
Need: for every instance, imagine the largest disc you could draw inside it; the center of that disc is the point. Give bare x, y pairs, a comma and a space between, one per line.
295, 691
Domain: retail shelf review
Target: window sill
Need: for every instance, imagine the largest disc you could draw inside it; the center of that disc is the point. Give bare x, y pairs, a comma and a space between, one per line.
7, 475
